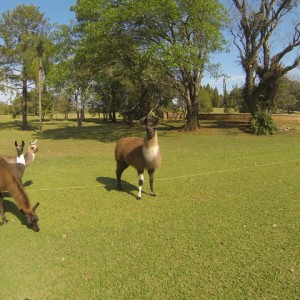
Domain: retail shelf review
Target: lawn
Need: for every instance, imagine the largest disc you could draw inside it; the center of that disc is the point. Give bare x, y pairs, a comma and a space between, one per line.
225, 223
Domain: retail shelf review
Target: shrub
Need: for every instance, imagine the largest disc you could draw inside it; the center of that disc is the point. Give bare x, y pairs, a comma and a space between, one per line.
262, 123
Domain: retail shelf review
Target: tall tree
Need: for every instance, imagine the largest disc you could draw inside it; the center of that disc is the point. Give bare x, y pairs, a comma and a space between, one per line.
257, 29
70, 75
18, 29
168, 38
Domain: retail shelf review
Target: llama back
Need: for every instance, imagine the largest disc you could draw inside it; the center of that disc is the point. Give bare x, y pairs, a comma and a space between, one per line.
10, 183
129, 150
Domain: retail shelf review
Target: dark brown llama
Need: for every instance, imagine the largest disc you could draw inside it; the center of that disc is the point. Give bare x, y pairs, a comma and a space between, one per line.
9, 182
140, 153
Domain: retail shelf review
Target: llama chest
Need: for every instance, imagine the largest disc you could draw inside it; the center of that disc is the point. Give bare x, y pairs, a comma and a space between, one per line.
151, 154
21, 160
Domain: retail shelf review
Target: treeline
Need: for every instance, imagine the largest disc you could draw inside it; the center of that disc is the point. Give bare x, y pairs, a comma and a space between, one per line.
286, 101
142, 57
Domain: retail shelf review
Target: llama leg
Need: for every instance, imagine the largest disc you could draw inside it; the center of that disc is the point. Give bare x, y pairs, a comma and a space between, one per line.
151, 179
120, 168
2, 210
141, 181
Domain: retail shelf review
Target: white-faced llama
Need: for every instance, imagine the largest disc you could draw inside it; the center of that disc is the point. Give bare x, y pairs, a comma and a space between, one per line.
9, 182
141, 153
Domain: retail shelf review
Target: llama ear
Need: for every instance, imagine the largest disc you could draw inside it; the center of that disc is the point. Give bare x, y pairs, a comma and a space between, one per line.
16, 143
23, 143
35, 206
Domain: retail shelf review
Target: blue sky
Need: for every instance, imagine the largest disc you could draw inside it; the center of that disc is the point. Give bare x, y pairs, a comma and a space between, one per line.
58, 11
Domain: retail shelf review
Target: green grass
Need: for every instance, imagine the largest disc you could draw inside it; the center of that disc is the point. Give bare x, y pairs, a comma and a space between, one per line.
224, 225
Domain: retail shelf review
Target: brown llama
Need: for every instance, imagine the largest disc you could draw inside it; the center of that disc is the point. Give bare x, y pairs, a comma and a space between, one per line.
140, 153
9, 182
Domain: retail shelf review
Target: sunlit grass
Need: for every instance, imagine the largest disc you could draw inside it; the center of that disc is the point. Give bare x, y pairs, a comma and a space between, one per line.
224, 224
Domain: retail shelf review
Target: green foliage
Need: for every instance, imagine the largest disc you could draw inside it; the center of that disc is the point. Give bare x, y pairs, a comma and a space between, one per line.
262, 123
4, 108
159, 43
23, 32
235, 100
20, 31
288, 96
205, 105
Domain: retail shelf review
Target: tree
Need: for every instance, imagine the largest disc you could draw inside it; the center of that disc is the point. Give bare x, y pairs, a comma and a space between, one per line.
216, 99
18, 31
205, 105
236, 99
288, 95
259, 24
70, 76
162, 41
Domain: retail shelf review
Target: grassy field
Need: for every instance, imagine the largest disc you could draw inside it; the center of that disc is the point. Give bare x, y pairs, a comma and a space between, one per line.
225, 223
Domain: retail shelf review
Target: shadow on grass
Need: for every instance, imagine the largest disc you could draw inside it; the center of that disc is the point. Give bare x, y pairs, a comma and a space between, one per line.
110, 184
13, 209
241, 126
102, 132
17, 125
28, 183
108, 132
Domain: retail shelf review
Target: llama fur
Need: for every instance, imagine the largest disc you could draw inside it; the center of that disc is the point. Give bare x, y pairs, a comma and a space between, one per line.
140, 153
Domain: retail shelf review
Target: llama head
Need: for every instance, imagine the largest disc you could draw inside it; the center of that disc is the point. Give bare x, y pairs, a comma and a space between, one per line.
33, 147
32, 217
151, 123
19, 148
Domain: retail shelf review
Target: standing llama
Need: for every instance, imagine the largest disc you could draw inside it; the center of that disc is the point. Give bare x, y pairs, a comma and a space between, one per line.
19, 162
9, 182
140, 153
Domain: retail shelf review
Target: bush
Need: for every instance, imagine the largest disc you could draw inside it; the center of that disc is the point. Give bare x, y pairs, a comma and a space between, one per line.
262, 123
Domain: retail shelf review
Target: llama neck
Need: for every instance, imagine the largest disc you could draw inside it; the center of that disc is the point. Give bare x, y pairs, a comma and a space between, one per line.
29, 158
152, 142
21, 159
151, 149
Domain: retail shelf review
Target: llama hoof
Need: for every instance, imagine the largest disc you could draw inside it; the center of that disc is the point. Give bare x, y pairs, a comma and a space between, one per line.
153, 194
120, 188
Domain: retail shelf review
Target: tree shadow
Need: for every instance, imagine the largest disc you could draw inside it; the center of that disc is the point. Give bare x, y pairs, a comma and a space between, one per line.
27, 183
17, 125
217, 124
103, 132
110, 184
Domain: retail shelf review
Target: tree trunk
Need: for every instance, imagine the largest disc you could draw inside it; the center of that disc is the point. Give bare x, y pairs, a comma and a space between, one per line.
114, 118
40, 84
191, 93
78, 111
249, 92
24, 105
192, 116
